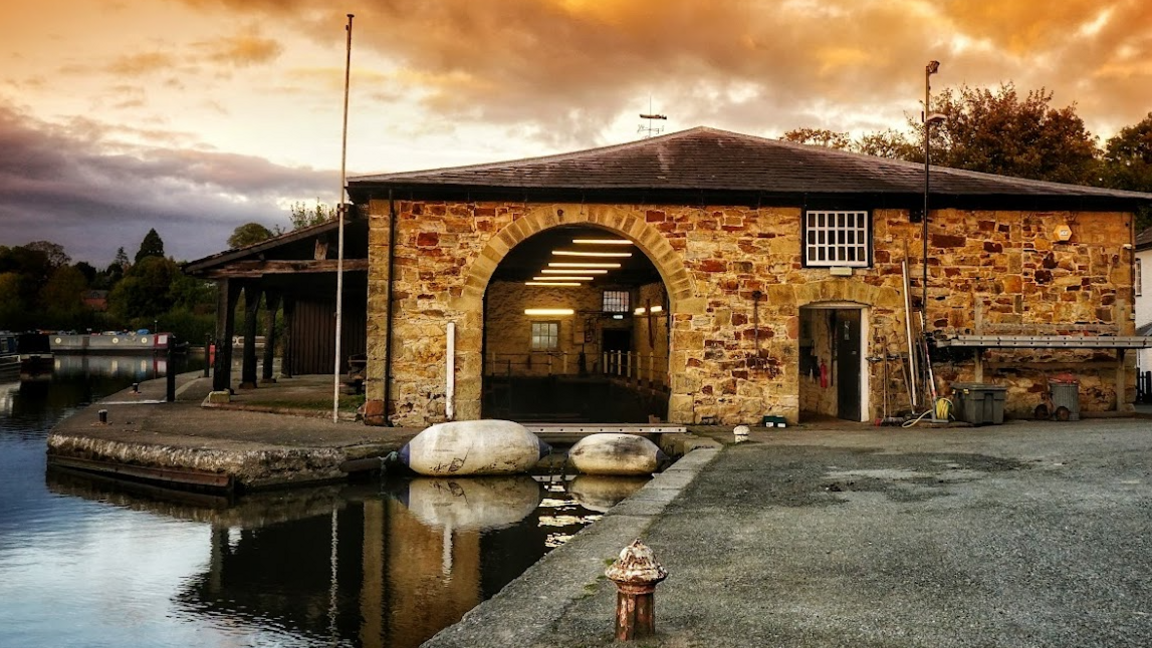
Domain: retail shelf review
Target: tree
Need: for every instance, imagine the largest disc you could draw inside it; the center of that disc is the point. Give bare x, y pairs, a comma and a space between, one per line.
63, 297
54, 252
151, 246
302, 216
145, 291
820, 137
1128, 163
891, 144
1128, 157
13, 313
1006, 134
249, 234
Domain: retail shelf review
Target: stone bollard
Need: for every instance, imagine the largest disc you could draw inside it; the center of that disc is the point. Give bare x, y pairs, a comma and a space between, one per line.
740, 432
636, 574
103, 414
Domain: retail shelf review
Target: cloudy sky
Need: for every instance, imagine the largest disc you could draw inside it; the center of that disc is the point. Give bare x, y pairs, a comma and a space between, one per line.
195, 116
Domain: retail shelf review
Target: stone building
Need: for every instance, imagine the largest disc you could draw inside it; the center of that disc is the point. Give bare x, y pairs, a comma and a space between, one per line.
764, 278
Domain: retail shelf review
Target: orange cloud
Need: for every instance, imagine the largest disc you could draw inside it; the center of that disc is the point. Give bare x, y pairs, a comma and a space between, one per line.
571, 67
134, 65
240, 50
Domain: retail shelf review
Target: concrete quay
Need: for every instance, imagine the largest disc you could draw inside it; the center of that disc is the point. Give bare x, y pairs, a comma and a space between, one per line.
1019, 535
247, 444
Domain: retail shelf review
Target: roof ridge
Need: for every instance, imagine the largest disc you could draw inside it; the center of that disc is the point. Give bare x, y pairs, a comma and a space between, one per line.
551, 157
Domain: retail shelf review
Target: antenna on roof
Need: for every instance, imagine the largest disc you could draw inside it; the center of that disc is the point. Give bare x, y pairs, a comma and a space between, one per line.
649, 129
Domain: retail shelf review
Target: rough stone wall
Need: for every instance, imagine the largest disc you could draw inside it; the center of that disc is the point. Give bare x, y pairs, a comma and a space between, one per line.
510, 330
714, 261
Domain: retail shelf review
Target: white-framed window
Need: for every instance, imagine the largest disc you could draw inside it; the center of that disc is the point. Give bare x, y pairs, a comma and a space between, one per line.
545, 336
615, 301
1139, 278
837, 238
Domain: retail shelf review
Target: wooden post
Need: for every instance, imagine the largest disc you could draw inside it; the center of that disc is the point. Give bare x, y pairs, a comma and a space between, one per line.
227, 294
271, 305
251, 307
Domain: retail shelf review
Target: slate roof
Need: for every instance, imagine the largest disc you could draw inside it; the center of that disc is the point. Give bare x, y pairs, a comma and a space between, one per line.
1144, 239
710, 164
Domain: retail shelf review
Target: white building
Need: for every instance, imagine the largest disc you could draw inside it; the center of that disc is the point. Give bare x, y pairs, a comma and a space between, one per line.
1143, 299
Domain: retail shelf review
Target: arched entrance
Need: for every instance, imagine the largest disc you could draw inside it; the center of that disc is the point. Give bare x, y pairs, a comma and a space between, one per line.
576, 330
596, 351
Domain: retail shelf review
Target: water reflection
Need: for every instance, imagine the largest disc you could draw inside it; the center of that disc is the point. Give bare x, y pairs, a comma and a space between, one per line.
602, 492
366, 565
134, 368
381, 564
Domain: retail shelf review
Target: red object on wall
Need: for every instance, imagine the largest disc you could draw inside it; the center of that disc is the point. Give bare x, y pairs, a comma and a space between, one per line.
823, 375
212, 355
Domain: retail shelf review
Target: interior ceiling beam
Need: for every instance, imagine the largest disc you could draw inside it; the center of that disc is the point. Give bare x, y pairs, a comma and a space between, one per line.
256, 268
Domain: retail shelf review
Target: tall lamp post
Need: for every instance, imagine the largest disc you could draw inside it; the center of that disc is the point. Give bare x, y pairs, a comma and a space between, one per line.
929, 120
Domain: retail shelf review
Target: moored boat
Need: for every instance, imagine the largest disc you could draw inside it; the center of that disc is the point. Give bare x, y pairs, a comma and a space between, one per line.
134, 342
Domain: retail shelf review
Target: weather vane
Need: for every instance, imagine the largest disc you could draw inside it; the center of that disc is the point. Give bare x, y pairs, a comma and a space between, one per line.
650, 129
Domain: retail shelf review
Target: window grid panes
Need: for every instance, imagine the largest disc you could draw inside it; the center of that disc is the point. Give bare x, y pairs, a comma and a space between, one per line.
545, 336
615, 301
1139, 278
836, 238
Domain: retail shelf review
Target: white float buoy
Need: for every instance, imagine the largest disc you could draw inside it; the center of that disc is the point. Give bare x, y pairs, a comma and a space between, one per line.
616, 454
741, 433
482, 447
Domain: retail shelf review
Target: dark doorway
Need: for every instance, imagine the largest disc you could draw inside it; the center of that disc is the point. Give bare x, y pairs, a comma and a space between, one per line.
617, 340
847, 342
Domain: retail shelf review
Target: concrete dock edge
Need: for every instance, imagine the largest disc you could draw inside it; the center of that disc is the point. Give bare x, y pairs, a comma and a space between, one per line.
526, 611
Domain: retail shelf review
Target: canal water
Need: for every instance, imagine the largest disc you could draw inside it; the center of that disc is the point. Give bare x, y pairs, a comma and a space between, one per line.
90, 562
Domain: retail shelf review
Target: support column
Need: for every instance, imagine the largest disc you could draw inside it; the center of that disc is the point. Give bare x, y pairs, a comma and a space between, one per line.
271, 305
287, 358
1121, 383
251, 308
227, 294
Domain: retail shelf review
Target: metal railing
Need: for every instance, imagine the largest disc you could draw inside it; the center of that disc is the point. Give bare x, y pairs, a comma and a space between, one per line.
638, 369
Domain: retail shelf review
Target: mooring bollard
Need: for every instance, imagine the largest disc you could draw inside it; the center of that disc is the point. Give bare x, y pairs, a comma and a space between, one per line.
103, 416
636, 574
135, 388
740, 432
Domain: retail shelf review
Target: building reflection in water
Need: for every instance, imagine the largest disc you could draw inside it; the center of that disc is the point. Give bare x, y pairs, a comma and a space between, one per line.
369, 565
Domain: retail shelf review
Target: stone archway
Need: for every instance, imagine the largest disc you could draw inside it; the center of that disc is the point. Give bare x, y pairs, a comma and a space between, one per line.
615, 220
667, 260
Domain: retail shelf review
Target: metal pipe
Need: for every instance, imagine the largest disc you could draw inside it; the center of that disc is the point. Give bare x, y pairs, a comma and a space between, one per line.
340, 215
929, 70
450, 373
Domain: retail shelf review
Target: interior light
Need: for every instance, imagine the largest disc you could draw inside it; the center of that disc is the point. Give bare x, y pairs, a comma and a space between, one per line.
617, 317
657, 309
570, 278
602, 241
556, 264
548, 311
583, 271
578, 253
568, 284
638, 311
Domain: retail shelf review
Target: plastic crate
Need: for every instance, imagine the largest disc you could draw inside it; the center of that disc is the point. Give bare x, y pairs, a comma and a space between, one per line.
979, 403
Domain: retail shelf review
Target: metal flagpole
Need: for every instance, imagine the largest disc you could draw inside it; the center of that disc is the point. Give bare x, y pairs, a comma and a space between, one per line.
340, 215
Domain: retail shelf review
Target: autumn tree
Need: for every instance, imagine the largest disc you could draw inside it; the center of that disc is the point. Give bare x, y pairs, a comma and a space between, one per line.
820, 137
1003, 133
151, 246
249, 234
